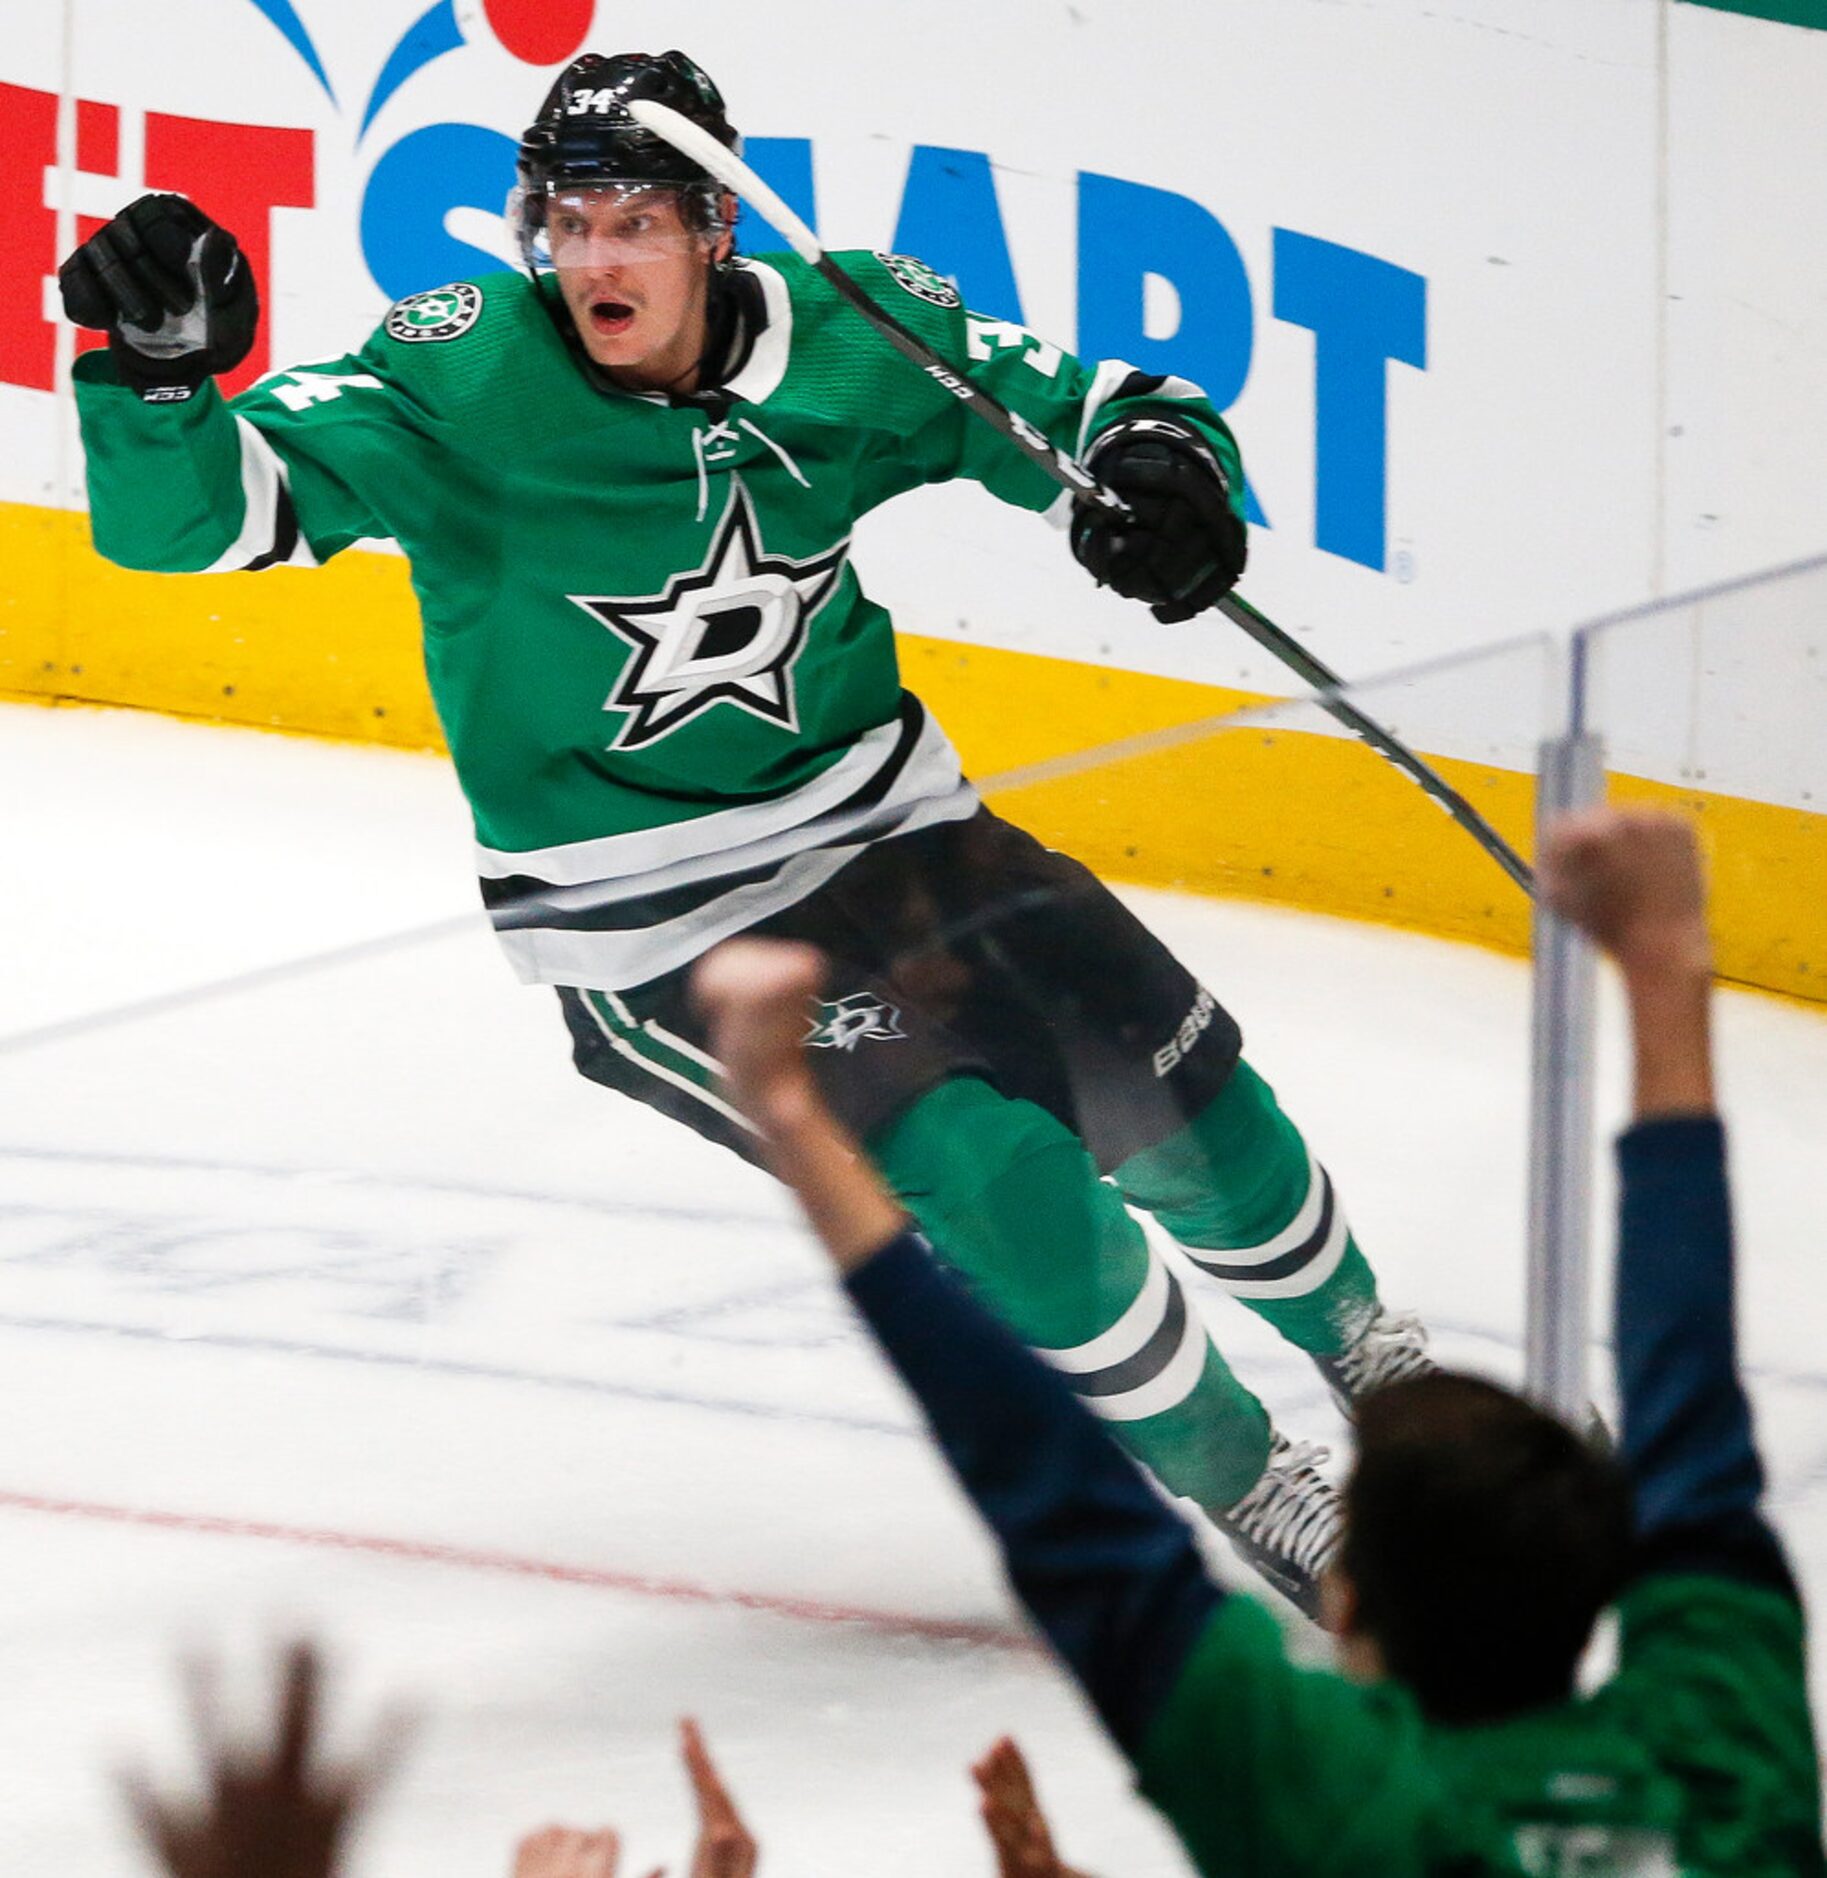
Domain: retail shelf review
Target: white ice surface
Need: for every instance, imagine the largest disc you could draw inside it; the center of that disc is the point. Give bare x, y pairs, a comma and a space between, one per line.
334, 1300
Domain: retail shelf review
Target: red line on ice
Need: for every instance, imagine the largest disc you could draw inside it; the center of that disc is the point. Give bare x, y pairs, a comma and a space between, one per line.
554, 1571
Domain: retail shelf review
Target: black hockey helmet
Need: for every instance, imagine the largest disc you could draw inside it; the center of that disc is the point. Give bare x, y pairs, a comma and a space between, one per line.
585, 135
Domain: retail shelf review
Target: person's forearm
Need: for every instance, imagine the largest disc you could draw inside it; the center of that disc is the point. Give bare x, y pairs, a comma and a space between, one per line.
842, 1196
1687, 1441
1670, 997
1108, 1572
164, 480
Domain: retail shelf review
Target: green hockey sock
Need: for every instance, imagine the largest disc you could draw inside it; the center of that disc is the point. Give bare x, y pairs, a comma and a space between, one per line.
1239, 1189
1011, 1199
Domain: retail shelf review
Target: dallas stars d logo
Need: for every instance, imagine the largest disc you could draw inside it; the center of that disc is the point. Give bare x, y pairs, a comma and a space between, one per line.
727, 633
843, 1023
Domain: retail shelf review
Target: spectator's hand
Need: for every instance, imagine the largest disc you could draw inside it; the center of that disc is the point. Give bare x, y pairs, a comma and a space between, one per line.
1631, 880
563, 1852
267, 1810
756, 996
725, 1848
1018, 1828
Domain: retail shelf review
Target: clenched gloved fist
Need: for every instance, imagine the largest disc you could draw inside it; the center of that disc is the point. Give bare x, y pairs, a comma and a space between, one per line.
1183, 548
172, 291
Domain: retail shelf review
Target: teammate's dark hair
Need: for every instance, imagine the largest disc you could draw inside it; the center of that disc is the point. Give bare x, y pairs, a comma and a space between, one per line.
1483, 1538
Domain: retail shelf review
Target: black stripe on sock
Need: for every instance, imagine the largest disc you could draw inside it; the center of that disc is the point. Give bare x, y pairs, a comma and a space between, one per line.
1148, 1362
1289, 1262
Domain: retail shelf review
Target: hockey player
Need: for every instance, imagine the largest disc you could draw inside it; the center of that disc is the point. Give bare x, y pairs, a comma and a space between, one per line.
626, 481
1482, 1537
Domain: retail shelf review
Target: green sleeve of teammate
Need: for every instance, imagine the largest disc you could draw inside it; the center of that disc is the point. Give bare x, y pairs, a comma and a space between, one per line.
1265, 1769
1068, 400
185, 488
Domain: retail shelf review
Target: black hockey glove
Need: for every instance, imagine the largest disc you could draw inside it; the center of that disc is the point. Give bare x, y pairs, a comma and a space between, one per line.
1184, 548
172, 291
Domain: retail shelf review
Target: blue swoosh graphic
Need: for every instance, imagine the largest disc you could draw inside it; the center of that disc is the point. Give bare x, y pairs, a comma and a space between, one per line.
434, 33
285, 16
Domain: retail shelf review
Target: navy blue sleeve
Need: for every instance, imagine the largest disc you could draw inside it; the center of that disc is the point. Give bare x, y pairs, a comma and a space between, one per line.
1108, 1571
1687, 1441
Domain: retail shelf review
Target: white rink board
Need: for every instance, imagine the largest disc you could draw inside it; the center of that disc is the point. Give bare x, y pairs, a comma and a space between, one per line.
1603, 217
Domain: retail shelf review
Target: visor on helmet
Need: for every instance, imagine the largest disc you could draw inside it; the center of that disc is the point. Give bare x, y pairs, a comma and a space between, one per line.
612, 222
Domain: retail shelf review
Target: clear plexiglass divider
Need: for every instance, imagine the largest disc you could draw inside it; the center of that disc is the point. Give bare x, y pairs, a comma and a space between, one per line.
1403, 1059
1715, 703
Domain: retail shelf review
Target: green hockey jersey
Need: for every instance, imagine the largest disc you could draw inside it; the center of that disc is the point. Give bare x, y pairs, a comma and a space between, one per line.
1697, 1757
671, 705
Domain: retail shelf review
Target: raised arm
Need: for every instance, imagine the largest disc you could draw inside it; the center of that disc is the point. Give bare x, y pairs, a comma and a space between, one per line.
180, 482
1107, 1571
1632, 881
1155, 440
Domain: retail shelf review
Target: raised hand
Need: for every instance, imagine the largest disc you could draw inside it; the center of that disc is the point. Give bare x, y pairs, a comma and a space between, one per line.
1011, 1810
1629, 878
725, 1848
564, 1852
756, 995
171, 289
267, 1808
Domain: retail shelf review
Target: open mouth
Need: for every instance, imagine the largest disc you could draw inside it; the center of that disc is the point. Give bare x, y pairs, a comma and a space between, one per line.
610, 317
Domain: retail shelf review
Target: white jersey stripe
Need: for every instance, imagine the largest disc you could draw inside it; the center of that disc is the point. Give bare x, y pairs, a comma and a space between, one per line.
611, 961
766, 365
932, 768
1110, 374
263, 478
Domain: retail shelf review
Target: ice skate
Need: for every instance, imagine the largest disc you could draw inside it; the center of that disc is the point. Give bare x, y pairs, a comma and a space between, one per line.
1388, 1349
1287, 1526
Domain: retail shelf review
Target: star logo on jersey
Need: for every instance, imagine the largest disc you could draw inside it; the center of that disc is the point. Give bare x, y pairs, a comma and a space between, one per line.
843, 1023
726, 633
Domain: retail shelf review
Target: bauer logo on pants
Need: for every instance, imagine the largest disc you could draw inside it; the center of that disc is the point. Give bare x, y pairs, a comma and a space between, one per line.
843, 1023
1193, 1026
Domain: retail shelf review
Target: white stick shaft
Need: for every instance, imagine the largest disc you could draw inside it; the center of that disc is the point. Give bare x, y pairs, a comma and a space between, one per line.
694, 141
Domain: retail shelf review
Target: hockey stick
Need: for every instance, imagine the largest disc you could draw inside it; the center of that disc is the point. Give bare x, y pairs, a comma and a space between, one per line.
1066, 470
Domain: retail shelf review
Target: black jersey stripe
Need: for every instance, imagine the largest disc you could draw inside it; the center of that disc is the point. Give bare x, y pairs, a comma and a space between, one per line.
522, 905
285, 534
1138, 385
517, 904
521, 902
866, 795
505, 889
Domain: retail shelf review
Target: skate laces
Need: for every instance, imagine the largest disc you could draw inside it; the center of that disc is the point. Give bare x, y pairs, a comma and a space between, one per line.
1292, 1510
1390, 1350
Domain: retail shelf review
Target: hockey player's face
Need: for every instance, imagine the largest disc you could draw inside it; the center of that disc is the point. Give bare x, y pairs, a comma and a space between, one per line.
633, 275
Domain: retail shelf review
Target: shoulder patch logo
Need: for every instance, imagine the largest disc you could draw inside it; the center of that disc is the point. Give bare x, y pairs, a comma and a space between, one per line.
923, 282
443, 313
